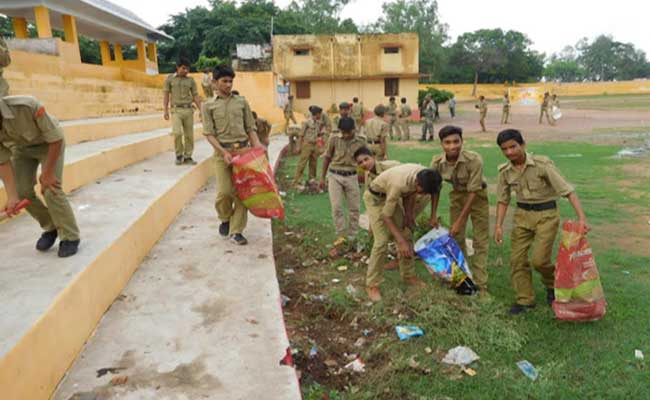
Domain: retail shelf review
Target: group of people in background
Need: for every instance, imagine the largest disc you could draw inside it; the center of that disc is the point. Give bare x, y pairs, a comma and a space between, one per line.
547, 107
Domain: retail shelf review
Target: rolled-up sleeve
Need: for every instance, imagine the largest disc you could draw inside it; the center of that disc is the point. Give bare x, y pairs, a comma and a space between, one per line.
208, 122
475, 182
557, 181
249, 121
503, 189
49, 126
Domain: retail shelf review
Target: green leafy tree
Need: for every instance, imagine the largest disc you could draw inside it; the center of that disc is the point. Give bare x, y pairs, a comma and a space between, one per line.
419, 16
437, 95
607, 59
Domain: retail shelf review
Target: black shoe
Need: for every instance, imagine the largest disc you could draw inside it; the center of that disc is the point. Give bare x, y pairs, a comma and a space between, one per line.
550, 296
46, 241
520, 308
224, 228
179, 160
189, 161
239, 239
68, 248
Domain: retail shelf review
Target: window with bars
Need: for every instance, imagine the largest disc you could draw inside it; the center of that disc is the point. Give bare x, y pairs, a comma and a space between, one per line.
391, 87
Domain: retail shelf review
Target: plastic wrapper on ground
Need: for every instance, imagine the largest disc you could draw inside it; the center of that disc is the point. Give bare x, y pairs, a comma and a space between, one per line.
579, 294
443, 257
255, 184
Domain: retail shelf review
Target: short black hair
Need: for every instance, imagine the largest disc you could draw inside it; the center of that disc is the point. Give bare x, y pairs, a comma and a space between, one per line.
254, 114
449, 130
391, 98
355, 99
429, 180
509, 134
314, 110
183, 62
403, 100
235, 92
221, 71
346, 124
363, 151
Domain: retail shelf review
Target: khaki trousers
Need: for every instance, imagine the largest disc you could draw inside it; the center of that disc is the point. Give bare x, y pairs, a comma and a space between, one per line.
544, 111
403, 129
308, 155
344, 190
227, 204
505, 116
480, 217
183, 131
287, 118
58, 214
381, 237
482, 121
392, 126
537, 229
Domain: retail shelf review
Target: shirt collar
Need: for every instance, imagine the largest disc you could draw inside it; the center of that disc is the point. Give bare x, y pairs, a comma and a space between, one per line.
529, 161
461, 158
5, 110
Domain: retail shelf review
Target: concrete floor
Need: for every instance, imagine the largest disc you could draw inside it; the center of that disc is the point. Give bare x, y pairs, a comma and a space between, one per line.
30, 280
200, 319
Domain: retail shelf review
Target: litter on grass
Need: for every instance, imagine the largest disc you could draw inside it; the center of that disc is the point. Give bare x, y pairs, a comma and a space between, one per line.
460, 355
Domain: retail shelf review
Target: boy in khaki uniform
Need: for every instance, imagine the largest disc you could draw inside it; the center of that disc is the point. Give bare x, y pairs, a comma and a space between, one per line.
182, 90
308, 145
405, 112
482, 108
544, 108
288, 114
376, 131
390, 205
340, 169
229, 126
537, 184
30, 137
391, 110
357, 113
463, 169
506, 109
206, 84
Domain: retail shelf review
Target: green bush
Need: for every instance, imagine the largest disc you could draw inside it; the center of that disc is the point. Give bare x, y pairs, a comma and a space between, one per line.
208, 62
438, 96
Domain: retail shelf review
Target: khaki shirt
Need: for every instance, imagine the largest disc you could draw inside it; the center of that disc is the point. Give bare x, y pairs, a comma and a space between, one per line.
482, 107
380, 166
229, 119
539, 181
396, 182
546, 102
430, 110
391, 110
25, 123
326, 123
341, 152
376, 129
465, 175
357, 110
182, 91
405, 111
506, 104
311, 130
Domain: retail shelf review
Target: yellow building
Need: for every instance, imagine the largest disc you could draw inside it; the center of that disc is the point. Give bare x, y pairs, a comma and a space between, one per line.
329, 69
110, 24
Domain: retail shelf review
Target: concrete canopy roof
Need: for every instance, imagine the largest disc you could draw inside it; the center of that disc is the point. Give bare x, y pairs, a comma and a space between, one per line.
97, 19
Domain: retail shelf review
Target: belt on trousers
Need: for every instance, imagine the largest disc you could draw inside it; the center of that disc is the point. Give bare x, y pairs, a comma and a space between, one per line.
182, 106
235, 145
549, 205
374, 141
378, 194
343, 173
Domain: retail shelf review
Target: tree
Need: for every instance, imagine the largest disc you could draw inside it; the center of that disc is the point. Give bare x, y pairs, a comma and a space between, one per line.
607, 59
420, 16
564, 70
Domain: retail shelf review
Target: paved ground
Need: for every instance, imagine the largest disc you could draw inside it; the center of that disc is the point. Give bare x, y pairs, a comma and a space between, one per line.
199, 319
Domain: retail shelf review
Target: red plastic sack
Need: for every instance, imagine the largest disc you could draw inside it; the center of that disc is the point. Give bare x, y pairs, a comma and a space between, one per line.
255, 184
579, 294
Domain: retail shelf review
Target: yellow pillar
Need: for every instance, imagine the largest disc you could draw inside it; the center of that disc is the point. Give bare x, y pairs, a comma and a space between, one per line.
140, 47
117, 49
70, 29
42, 17
105, 51
20, 28
153, 53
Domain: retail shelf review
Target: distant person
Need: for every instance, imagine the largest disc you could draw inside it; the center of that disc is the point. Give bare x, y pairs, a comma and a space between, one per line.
555, 106
288, 114
544, 109
376, 132
452, 107
180, 89
206, 83
506, 109
29, 138
5, 61
403, 131
429, 113
538, 185
308, 146
357, 113
483, 109
391, 111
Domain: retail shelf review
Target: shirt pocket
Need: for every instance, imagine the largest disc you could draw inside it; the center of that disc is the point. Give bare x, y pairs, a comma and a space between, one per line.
462, 176
219, 118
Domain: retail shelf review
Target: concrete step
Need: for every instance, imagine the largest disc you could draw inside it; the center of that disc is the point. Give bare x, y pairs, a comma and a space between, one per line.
87, 162
49, 306
200, 318
85, 130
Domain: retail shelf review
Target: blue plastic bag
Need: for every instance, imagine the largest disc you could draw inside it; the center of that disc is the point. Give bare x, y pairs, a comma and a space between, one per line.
405, 332
443, 257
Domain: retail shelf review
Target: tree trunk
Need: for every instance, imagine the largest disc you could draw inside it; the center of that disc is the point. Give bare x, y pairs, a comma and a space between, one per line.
475, 83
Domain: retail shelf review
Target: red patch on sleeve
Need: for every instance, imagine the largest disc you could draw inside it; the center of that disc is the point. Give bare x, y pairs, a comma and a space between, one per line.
40, 112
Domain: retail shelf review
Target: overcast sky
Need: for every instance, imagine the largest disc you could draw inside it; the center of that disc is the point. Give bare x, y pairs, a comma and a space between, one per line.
550, 24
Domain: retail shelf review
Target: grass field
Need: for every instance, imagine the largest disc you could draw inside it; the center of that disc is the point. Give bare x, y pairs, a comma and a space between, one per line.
575, 361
